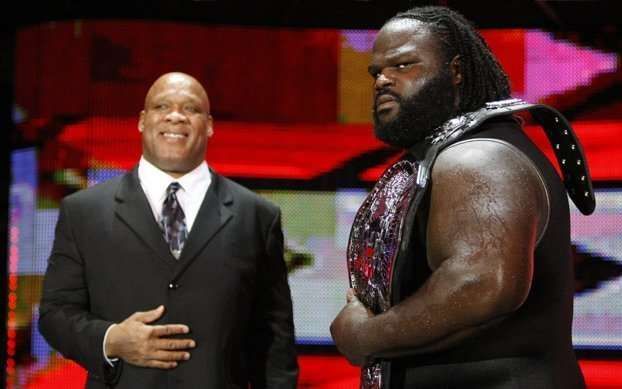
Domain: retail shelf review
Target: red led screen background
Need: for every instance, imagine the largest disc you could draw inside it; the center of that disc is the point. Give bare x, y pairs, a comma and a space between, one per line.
291, 110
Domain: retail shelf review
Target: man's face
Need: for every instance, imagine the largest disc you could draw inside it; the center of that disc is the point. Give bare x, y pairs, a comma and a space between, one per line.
175, 124
414, 89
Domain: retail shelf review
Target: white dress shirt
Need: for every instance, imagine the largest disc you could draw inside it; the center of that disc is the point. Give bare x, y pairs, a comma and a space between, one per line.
194, 185
154, 182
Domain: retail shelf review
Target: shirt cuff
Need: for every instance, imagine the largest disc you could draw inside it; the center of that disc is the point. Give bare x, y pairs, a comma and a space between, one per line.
110, 361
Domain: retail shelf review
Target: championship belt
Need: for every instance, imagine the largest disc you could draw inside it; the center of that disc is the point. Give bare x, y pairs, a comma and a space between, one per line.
376, 237
375, 242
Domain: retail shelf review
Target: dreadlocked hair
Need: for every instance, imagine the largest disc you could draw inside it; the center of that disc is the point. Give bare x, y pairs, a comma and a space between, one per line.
483, 78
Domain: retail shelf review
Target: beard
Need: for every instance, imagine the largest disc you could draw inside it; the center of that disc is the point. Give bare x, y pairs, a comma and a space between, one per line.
419, 114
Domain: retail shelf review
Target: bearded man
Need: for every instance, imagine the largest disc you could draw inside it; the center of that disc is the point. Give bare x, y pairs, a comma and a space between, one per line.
459, 258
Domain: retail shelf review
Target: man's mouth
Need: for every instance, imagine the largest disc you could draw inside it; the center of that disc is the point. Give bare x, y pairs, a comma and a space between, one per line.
385, 101
173, 135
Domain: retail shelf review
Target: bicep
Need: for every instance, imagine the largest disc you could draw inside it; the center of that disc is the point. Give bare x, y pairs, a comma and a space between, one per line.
485, 212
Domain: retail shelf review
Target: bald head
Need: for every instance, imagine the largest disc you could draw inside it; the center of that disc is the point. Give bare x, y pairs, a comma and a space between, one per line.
175, 123
178, 81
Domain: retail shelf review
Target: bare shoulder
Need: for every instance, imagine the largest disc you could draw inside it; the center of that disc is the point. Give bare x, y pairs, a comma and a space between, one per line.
486, 171
492, 167
490, 158
483, 192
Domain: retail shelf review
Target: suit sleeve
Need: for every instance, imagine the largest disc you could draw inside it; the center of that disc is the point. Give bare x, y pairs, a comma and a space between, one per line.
65, 318
273, 355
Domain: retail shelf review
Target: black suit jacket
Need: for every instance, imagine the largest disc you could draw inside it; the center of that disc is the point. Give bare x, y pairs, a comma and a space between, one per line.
229, 286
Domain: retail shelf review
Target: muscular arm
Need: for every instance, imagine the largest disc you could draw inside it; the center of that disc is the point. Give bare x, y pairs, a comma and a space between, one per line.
488, 206
273, 355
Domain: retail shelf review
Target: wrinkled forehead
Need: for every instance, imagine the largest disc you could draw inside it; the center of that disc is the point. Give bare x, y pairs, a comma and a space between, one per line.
404, 35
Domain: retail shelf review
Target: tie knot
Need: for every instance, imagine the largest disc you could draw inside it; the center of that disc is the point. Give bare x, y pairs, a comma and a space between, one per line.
172, 188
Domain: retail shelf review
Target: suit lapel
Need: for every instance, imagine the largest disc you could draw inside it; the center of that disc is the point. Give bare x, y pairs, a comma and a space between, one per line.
213, 214
134, 210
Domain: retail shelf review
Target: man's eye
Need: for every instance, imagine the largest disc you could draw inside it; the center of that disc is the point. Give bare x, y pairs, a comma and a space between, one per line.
160, 106
404, 65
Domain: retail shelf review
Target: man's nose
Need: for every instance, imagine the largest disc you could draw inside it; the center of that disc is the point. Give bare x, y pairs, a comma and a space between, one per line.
382, 81
175, 116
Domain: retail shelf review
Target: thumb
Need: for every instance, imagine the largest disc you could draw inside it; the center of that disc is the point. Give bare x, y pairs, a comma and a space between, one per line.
149, 316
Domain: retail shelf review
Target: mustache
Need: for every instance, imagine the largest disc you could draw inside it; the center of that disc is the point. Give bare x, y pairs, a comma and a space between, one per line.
385, 91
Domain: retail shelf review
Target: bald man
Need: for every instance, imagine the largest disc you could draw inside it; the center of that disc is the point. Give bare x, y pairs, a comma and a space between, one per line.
171, 276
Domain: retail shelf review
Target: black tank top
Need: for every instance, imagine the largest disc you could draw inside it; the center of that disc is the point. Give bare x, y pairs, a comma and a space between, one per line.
532, 347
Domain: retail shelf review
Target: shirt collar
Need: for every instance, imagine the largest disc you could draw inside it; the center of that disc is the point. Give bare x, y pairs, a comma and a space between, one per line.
155, 181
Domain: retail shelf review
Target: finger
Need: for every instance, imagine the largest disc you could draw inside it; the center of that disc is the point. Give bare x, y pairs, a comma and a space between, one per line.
168, 356
161, 364
169, 329
174, 344
149, 316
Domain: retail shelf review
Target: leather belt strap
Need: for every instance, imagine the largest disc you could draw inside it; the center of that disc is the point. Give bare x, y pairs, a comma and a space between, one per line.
568, 150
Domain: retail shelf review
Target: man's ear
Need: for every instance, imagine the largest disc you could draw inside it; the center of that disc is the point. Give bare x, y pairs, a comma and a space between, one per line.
210, 126
455, 67
141, 121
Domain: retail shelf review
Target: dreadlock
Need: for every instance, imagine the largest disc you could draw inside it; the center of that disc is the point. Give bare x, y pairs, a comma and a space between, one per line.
483, 78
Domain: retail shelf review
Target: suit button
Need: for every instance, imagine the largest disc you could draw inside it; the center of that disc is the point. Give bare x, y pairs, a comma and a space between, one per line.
173, 285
